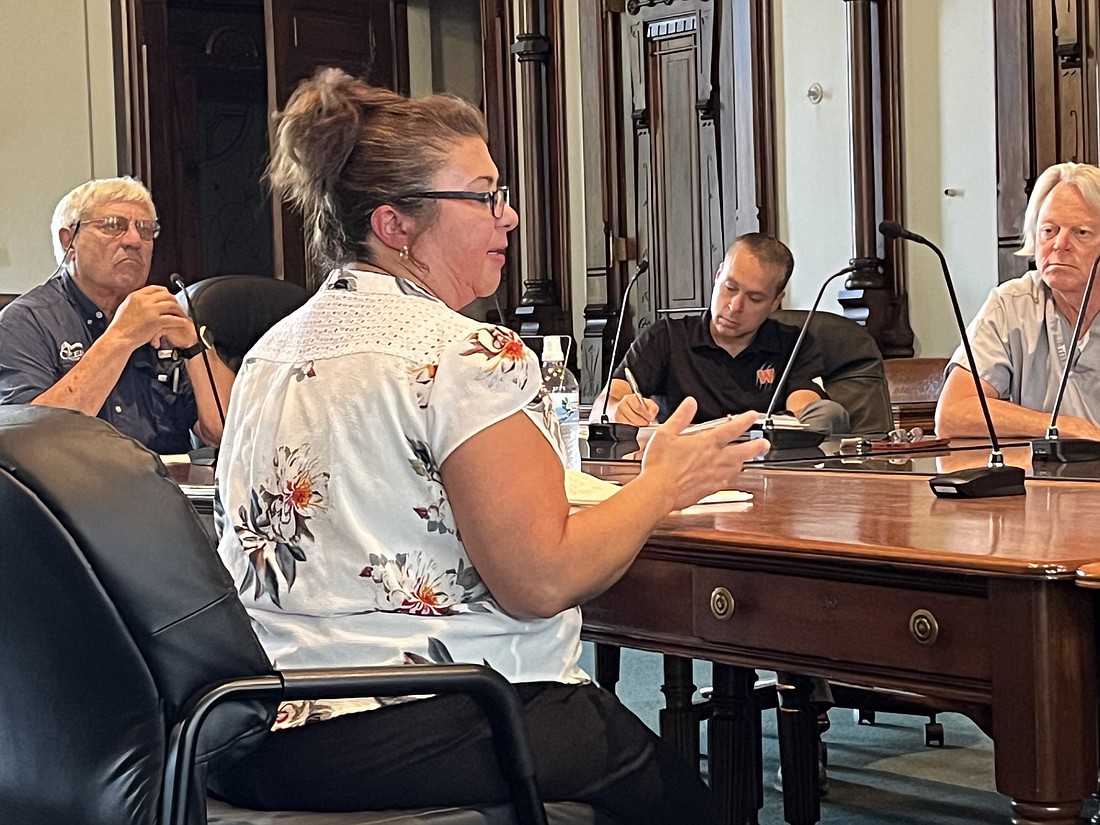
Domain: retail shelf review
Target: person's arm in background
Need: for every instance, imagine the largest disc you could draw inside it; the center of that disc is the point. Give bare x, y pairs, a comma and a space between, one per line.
208, 427
178, 330
624, 406
958, 410
86, 386
535, 556
959, 413
802, 387
647, 359
798, 400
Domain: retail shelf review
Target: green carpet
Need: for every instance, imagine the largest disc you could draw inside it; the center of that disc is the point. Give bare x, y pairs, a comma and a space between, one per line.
881, 774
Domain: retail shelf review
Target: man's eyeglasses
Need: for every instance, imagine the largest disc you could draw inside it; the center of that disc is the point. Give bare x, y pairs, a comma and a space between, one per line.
116, 225
497, 199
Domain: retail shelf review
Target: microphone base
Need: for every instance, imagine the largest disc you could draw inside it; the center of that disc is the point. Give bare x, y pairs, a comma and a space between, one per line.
611, 441
789, 439
979, 482
1065, 450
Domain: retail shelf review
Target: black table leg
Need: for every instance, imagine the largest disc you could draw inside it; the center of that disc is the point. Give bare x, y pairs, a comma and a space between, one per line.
798, 751
678, 720
607, 665
735, 747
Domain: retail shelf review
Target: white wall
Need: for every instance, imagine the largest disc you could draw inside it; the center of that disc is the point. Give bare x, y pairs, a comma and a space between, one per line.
948, 98
58, 127
813, 175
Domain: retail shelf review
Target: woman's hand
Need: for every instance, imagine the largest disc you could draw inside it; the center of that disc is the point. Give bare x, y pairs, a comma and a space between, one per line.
694, 465
505, 485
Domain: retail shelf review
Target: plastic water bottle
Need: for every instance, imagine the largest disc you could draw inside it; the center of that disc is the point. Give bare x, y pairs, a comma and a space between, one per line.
565, 394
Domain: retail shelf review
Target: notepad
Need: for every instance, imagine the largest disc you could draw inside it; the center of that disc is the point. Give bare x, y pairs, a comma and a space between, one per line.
584, 490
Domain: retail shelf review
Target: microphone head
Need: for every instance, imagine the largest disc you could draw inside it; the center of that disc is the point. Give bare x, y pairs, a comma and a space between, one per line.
892, 229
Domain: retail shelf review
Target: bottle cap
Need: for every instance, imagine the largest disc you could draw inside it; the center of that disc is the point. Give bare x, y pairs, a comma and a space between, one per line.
551, 349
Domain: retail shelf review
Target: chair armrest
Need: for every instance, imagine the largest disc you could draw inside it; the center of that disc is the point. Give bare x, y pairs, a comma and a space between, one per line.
496, 696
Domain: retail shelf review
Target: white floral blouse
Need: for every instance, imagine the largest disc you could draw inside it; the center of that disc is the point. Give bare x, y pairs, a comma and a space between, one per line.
333, 519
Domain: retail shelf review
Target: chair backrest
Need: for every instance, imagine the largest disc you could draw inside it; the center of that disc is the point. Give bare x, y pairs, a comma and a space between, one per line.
854, 374
239, 309
116, 612
915, 385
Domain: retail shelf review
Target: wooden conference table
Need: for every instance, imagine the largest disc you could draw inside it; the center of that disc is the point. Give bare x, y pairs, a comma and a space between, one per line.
869, 579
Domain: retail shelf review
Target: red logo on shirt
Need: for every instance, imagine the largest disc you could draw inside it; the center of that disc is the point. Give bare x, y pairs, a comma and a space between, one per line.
765, 376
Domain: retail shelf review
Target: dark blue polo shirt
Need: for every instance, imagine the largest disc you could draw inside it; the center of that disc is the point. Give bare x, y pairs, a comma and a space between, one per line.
677, 357
44, 332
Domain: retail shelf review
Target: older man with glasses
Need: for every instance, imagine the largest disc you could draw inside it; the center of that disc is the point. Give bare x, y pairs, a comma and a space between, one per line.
97, 339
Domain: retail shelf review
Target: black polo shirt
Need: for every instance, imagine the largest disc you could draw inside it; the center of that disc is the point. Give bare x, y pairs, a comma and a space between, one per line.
677, 357
44, 332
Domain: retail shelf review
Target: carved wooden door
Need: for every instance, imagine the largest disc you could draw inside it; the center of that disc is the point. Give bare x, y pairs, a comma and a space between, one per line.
686, 169
677, 169
358, 36
196, 83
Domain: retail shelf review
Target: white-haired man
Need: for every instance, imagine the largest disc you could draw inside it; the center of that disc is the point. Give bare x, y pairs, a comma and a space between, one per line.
97, 339
1022, 336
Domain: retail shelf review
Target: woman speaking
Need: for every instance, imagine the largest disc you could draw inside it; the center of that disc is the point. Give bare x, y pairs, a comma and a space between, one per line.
391, 488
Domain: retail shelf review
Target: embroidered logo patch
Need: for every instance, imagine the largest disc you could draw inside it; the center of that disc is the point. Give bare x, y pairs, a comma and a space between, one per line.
765, 376
71, 352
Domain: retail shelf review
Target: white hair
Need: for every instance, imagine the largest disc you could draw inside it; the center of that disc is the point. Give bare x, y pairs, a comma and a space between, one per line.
1084, 176
77, 204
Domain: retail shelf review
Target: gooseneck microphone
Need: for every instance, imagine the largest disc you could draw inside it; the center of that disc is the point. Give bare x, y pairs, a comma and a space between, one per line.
997, 478
178, 281
784, 439
1052, 447
609, 439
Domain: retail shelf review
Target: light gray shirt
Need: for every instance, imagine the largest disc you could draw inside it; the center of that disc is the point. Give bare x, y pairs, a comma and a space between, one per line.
1021, 342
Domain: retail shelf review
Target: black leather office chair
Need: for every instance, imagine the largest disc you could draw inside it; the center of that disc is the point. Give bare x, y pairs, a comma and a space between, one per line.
130, 665
854, 373
238, 309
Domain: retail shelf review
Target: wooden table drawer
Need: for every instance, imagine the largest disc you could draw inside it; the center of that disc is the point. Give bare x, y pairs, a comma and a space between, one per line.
873, 625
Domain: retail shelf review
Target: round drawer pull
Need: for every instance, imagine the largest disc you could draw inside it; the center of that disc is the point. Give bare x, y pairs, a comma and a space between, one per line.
924, 627
722, 604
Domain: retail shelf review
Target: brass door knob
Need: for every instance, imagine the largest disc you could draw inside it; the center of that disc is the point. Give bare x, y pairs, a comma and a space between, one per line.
722, 604
924, 627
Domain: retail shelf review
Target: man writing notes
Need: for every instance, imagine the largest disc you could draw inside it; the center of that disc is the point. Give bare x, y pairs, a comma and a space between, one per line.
729, 358
1023, 334
95, 338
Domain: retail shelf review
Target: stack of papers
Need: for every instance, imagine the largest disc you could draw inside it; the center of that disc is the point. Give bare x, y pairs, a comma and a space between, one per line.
584, 490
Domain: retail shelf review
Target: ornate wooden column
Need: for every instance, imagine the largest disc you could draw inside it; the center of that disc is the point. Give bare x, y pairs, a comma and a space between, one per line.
610, 243
876, 294
544, 301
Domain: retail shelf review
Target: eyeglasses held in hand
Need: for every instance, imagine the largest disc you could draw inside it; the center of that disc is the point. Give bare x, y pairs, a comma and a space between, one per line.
497, 199
115, 225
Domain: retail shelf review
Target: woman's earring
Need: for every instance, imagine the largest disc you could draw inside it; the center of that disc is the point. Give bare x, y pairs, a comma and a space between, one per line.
404, 253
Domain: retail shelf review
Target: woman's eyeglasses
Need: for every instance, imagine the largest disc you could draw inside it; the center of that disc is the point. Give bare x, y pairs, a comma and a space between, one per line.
497, 199
116, 225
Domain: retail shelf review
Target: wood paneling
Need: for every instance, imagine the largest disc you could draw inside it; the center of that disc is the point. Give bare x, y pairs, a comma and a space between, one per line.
1046, 104
687, 151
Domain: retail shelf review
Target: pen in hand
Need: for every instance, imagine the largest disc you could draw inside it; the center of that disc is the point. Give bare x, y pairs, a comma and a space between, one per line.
633, 382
